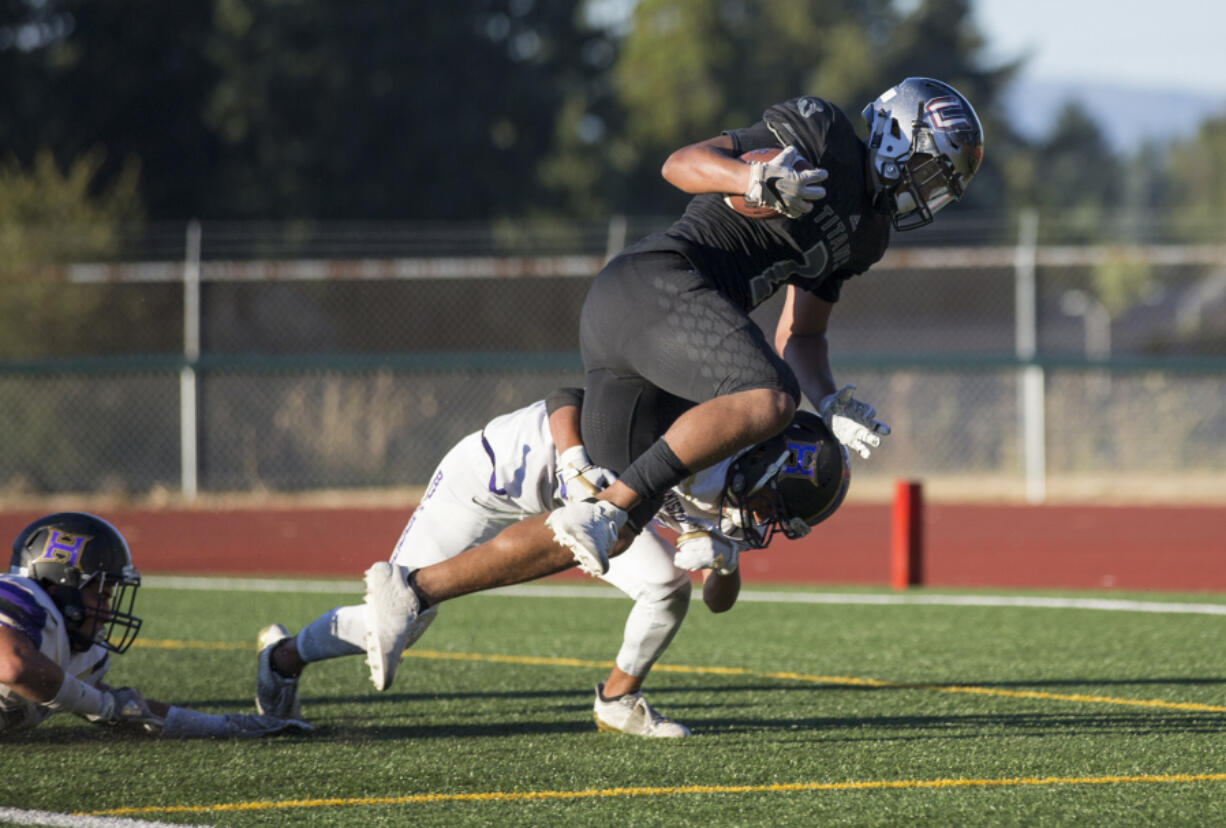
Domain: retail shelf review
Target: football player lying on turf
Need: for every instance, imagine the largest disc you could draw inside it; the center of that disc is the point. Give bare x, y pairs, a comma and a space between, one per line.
527, 462
65, 606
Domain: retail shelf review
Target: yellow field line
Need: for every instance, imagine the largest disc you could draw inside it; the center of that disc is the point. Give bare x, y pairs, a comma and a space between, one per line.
594, 793
850, 681
853, 681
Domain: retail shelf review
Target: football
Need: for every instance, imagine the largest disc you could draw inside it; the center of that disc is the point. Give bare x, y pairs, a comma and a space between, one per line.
761, 155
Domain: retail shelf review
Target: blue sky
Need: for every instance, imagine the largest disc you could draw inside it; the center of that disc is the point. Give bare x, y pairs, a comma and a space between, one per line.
1170, 45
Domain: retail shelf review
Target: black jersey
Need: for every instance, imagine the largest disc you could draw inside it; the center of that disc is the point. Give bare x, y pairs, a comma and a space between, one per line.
750, 259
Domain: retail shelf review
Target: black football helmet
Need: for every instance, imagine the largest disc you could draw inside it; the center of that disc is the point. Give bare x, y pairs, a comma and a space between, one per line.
65, 553
924, 143
789, 483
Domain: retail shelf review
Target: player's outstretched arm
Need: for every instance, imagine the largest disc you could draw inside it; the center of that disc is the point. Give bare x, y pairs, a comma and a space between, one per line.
25, 670
184, 723
35, 677
171, 722
800, 338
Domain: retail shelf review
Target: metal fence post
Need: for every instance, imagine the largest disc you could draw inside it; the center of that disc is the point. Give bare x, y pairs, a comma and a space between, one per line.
1031, 378
188, 438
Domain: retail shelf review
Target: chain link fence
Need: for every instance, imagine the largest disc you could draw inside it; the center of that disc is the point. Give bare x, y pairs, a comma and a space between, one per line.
324, 357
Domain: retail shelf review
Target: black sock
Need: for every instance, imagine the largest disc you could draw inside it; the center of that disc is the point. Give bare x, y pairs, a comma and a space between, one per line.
604, 698
272, 662
423, 603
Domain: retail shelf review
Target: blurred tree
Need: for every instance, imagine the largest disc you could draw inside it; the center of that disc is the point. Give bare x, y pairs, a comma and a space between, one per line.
49, 217
125, 77
1197, 183
688, 69
389, 109
279, 109
1079, 186
1075, 175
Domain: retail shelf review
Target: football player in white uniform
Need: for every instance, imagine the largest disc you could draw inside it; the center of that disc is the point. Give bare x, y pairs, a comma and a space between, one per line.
65, 606
528, 462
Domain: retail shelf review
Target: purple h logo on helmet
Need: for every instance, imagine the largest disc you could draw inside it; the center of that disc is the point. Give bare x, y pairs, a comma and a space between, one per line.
802, 461
63, 547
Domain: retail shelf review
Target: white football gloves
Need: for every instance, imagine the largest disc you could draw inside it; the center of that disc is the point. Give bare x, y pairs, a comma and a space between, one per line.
579, 477
126, 706
707, 550
588, 528
776, 183
851, 421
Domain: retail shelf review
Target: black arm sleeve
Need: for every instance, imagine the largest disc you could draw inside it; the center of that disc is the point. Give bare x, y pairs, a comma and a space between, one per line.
563, 397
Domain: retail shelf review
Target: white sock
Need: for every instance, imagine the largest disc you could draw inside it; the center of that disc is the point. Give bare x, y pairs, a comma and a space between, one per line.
338, 632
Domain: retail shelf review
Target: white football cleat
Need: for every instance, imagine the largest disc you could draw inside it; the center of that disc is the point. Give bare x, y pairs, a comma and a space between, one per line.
275, 694
588, 528
632, 714
391, 609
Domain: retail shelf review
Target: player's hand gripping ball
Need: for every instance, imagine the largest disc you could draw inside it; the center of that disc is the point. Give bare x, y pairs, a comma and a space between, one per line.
783, 183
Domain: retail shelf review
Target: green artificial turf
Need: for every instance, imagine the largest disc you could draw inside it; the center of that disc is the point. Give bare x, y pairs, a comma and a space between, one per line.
803, 714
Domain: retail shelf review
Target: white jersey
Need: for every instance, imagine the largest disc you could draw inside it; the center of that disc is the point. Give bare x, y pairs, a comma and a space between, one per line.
523, 459
694, 503
26, 607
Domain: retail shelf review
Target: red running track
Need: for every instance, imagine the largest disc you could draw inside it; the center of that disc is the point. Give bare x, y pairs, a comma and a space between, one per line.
1073, 547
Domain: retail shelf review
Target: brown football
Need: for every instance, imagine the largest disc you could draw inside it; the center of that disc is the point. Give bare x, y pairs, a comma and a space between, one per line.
761, 155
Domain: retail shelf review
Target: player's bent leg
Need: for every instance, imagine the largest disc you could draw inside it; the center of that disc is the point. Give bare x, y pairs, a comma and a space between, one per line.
718, 428
662, 592
391, 609
650, 628
275, 694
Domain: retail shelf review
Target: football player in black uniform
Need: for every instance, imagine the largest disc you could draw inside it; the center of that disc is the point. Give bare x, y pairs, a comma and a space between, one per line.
666, 323
678, 377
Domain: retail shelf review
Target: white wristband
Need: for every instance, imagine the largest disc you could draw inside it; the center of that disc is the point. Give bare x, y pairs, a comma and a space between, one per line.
574, 457
76, 696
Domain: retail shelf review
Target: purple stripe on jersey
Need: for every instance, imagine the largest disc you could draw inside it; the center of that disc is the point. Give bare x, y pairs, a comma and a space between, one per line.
19, 610
493, 480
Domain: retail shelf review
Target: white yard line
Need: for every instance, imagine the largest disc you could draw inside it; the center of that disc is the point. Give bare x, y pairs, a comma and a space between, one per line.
16, 816
354, 586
